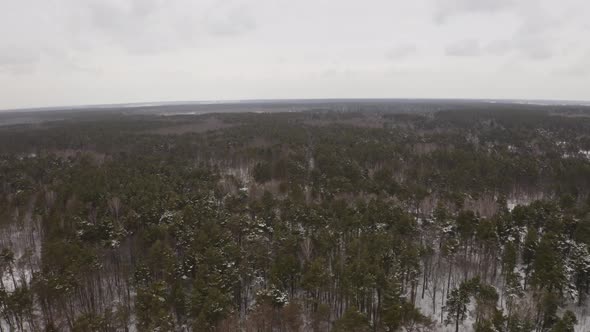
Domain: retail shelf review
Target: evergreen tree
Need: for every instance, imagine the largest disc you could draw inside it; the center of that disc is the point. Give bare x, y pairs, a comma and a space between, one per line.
456, 306
566, 323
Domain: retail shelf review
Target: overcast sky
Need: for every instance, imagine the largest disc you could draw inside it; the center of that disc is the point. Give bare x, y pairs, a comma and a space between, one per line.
69, 52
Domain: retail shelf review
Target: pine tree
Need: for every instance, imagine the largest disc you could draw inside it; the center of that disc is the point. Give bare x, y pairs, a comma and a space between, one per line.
548, 269
566, 323
391, 315
456, 306
352, 321
528, 252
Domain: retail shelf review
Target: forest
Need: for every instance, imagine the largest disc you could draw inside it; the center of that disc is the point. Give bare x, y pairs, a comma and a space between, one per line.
362, 217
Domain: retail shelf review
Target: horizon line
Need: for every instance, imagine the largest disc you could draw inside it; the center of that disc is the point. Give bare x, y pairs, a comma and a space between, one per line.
540, 102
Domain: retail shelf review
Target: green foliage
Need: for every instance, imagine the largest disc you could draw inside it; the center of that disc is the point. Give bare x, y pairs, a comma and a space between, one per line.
121, 216
488, 317
548, 271
456, 306
152, 308
352, 321
262, 172
566, 323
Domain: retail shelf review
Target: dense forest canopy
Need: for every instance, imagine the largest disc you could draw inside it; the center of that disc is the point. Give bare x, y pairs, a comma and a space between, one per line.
331, 217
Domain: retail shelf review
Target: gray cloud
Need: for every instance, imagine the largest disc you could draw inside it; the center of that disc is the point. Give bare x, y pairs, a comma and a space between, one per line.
579, 68
534, 38
64, 33
499, 47
467, 47
533, 49
152, 26
537, 32
401, 51
234, 21
448, 8
101, 51
18, 56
